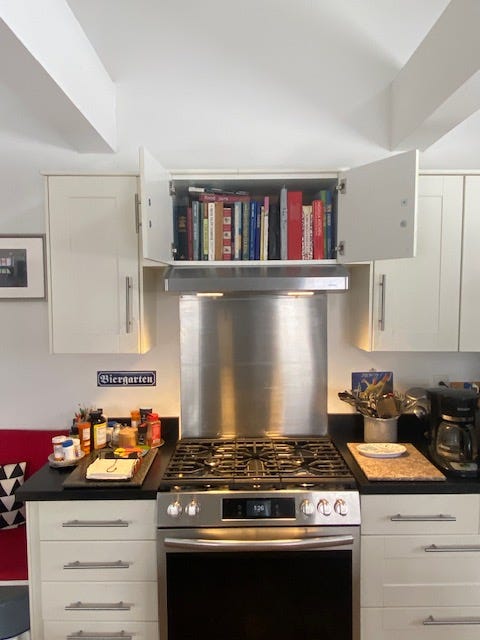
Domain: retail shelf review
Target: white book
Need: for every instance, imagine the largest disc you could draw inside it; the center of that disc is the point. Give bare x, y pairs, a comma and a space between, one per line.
211, 230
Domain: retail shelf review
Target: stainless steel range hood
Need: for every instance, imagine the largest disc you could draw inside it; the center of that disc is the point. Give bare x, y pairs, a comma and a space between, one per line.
256, 279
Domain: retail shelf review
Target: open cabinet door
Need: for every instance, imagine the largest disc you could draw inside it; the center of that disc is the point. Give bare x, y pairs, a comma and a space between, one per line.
377, 211
155, 208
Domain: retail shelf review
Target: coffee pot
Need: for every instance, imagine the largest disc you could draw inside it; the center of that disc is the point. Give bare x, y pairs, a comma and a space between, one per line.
453, 439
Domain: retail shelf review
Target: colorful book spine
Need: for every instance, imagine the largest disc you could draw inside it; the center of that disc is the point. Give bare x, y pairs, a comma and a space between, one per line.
227, 234
294, 225
258, 223
225, 198
245, 230
318, 211
218, 231
189, 233
307, 244
180, 232
265, 223
237, 230
205, 231
211, 231
283, 224
252, 230
274, 232
196, 223
326, 197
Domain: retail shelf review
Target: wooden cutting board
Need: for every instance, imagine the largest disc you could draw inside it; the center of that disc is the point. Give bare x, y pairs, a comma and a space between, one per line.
411, 465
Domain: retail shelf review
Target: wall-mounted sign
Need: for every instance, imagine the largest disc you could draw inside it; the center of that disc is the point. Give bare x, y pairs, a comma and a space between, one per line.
126, 378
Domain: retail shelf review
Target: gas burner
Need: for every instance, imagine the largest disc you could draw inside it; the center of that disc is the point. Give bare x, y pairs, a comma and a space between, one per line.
252, 464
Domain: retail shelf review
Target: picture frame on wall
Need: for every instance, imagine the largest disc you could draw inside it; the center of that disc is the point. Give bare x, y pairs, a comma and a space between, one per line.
22, 267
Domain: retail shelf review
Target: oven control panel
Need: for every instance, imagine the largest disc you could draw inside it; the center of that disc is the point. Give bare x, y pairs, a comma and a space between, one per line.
217, 508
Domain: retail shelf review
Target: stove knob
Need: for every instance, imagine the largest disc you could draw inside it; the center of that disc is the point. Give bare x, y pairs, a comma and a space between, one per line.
340, 507
307, 508
174, 509
324, 507
192, 508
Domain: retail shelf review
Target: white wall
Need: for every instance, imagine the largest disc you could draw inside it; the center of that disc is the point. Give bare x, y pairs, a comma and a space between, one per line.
39, 390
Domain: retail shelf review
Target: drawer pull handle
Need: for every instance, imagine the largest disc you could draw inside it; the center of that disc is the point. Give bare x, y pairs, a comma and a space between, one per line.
439, 621
95, 523
98, 606
102, 635
440, 518
433, 548
119, 564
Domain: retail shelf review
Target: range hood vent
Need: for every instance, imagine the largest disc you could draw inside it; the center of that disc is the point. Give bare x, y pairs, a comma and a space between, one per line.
256, 279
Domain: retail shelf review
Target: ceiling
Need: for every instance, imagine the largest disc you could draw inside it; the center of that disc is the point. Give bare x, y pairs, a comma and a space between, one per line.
277, 84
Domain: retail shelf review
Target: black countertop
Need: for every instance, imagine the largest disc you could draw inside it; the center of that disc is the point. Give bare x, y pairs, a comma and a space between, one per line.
349, 428
47, 483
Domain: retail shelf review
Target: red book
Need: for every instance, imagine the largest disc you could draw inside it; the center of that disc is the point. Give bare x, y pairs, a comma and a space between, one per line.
227, 234
318, 213
294, 225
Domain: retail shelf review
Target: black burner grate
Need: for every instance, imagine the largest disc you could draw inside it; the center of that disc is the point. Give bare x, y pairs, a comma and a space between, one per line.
245, 463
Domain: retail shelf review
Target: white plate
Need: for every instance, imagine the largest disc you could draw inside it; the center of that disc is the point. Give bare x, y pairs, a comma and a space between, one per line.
57, 464
381, 450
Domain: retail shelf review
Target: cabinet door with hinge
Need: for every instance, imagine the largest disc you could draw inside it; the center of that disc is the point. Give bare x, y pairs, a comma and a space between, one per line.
155, 205
377, 210
93, 264
412, 304
469, 313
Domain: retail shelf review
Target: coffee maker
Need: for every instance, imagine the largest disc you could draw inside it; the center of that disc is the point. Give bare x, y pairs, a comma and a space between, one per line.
453, 441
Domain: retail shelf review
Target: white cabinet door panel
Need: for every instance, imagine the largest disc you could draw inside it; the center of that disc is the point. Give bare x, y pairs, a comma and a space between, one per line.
100, 601
391, 515
94, 520
84, 561
94, 264
376, 214
101, 630
470, 309
416, 300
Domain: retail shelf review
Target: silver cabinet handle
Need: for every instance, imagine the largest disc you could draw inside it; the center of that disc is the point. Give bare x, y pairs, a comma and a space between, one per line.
98, 606
93, 635
440, 518
95, 523
381, 305
119, 564
439, 621
433, 548
128, 313
259, 545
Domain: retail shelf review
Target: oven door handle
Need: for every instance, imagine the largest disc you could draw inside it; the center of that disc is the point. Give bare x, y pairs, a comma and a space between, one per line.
259, 545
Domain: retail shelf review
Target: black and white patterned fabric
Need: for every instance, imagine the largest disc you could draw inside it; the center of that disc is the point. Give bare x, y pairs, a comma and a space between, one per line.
12, 512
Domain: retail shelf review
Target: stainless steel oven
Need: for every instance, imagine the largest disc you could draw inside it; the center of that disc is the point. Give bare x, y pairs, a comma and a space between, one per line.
246, 554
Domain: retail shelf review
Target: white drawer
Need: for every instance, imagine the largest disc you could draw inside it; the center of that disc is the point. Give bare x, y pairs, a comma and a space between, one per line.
112, 561
410, 514
408, 624
103, 630
100, 601
420, 570
94, 520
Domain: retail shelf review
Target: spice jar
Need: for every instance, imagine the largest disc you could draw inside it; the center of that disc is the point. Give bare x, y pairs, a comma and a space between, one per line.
84, 436
57, 442
68, 450
98, 432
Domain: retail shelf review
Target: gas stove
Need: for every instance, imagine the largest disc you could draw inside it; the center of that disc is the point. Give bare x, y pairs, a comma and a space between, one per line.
259, 481
202, 464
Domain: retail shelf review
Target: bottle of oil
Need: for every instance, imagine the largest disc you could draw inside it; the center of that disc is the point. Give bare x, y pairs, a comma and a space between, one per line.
98, 435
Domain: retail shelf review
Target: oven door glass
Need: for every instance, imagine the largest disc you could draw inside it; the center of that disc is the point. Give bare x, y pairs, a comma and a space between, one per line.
260, 595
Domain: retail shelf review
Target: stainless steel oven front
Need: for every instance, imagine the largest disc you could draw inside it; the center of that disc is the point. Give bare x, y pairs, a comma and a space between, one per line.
259, 565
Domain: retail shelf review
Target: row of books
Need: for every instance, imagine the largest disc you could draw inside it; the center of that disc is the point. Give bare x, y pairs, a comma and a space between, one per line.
225, 226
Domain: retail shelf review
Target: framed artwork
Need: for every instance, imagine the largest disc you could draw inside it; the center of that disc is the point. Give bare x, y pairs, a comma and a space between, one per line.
22, 267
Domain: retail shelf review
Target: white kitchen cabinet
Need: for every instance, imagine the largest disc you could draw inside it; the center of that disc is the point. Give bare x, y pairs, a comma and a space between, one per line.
420, 567
364, 229
469, 309
100, 297
92, 569
413, 304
